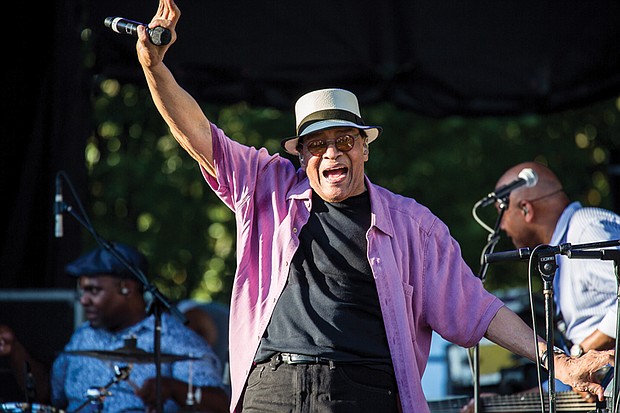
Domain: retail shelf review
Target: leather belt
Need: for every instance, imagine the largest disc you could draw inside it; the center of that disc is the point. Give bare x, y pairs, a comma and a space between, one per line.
292, 358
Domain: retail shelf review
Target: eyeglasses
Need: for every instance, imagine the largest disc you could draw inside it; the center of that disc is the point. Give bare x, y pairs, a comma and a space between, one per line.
549, 195
344, 143
540, 198
505, 203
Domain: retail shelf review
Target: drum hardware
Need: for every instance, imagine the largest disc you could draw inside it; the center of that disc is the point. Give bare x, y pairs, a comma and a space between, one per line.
193, 396
96, 395
28, 408
130, 353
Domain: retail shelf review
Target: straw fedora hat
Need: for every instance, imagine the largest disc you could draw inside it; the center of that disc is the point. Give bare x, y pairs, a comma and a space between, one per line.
325, 109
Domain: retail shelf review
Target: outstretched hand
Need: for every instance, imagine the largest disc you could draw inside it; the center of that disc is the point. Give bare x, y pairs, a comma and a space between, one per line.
582, 373
167, 16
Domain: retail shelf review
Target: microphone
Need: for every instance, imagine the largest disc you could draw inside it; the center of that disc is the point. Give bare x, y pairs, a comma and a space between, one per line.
159, 36
527, 177
516, 255
525, 253
58, 209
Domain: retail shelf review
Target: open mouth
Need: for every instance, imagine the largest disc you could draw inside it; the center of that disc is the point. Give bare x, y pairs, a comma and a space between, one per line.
335, 174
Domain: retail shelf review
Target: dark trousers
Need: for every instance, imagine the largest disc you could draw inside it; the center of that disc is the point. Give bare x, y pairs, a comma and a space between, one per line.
309, 388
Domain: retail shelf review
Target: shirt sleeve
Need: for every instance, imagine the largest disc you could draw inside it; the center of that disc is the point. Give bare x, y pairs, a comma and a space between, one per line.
239, 168
456, 304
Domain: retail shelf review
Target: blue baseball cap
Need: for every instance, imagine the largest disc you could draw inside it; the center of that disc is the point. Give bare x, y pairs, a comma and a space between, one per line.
101, 261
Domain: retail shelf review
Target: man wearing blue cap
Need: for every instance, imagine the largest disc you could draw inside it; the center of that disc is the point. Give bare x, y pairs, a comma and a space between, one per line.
119, 332
115, 308
340, 282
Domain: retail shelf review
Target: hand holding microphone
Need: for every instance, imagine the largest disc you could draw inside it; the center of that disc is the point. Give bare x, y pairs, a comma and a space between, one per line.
158, 35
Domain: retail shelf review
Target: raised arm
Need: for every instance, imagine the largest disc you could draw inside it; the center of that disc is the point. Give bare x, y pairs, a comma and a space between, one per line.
184, 117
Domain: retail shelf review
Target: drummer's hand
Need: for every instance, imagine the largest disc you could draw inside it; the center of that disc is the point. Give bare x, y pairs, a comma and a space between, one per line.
148, 391
7, 338
167, 16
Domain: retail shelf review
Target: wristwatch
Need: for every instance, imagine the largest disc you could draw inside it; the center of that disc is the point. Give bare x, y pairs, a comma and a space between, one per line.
543, 357
576, 350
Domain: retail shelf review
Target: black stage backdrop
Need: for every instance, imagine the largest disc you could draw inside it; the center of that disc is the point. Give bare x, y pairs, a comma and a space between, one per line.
435, 57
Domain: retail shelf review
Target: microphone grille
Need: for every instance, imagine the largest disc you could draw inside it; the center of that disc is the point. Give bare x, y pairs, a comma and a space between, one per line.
160, 36
529, 176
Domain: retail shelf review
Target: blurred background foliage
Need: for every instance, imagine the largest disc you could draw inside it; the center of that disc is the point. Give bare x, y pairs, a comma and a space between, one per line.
145, 190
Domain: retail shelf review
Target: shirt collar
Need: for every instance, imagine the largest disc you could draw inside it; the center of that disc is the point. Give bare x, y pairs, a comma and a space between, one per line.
300, 190
378, 211
379, 214
559, 234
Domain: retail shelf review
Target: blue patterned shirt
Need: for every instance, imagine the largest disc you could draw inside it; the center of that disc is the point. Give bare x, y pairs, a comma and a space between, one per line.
73, 375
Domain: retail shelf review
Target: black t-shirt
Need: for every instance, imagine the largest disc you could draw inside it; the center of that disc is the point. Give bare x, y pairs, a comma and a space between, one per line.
329, 306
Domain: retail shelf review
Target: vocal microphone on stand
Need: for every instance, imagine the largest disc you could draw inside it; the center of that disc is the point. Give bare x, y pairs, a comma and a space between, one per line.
523, 254
58, 209
159, 36
527, 177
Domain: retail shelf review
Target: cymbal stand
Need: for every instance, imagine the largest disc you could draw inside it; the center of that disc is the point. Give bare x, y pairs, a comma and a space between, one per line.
159, 303
96, 395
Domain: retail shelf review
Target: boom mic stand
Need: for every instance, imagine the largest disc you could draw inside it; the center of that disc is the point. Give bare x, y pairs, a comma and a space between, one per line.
547, 266
159, 303
492, 240
546, 256
607, 255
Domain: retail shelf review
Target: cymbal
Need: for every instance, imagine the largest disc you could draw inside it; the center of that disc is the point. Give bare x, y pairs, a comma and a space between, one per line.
130, 355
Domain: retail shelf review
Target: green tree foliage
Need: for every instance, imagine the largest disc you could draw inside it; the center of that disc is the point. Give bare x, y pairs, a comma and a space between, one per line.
145, 190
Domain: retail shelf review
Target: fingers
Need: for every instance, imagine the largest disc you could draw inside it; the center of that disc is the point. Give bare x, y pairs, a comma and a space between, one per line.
590, 398
167, 15
591, 392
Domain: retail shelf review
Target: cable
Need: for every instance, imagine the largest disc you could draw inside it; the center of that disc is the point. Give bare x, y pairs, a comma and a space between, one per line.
477, 218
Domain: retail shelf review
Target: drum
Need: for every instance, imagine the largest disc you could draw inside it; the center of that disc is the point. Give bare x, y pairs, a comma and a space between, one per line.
28, 408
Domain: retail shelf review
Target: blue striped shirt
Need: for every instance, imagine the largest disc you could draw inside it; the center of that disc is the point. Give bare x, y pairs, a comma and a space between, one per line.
585, 289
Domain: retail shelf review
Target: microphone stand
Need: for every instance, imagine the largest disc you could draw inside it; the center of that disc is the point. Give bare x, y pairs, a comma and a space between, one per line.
547, 266
159, 303
492, 240
607, 255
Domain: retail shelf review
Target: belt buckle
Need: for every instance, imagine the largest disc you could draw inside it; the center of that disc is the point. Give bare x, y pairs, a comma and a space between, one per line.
292, 358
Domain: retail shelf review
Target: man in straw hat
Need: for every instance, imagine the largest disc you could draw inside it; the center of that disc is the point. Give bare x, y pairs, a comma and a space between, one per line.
340, 282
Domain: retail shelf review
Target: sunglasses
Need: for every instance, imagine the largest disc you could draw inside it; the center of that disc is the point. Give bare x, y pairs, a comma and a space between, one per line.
344, 143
